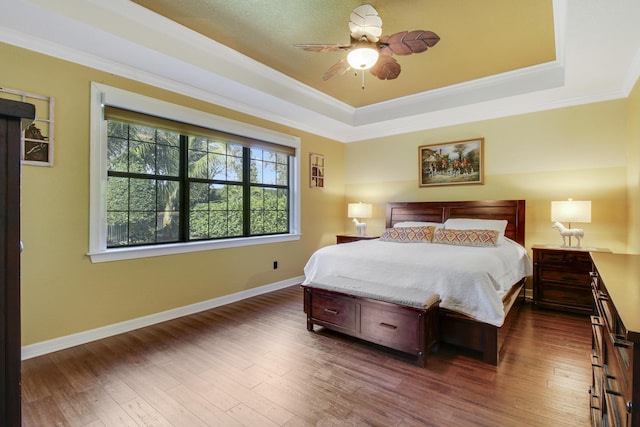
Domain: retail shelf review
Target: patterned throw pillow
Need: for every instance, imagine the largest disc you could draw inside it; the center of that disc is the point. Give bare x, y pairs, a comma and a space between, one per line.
466, 237
408, 234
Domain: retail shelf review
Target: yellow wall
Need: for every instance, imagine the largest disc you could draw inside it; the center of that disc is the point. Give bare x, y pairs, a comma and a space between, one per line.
62, 291
585, 152
634, 169
578, 152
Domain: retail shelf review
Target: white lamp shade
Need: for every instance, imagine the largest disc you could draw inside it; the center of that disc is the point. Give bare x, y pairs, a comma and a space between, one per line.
362, 58
571, 211
359, 210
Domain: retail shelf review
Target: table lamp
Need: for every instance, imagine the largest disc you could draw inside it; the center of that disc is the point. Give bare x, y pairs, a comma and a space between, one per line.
570, 211
359, 210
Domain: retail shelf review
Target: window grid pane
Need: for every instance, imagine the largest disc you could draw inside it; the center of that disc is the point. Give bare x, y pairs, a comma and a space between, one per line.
144, 188
269, 210
214, 160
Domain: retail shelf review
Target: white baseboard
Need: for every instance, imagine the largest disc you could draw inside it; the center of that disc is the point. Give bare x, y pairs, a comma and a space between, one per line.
44, 347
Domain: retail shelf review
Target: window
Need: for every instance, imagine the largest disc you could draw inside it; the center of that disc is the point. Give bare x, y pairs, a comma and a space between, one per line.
167, 179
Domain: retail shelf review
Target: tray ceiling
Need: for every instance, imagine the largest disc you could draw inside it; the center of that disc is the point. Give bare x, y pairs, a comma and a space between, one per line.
478, 39
496, 57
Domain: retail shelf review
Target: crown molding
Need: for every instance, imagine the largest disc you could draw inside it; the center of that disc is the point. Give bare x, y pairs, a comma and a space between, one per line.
206, 70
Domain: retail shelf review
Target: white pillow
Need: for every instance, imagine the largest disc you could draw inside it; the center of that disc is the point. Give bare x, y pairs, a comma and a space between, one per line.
418, 224
499, 225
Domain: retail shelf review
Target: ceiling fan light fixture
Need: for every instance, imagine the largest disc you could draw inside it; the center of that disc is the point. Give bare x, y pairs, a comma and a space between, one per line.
366, 46
363, 58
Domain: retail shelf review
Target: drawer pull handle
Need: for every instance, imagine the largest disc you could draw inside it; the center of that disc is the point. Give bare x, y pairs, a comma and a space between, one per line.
388, 326
610, 386
618, 341
329, 310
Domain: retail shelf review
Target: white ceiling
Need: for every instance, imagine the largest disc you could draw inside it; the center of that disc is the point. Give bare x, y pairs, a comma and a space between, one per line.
597, 59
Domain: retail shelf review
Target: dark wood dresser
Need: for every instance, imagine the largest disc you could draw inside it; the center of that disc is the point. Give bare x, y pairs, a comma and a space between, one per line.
615, 358
13, 116
561, 278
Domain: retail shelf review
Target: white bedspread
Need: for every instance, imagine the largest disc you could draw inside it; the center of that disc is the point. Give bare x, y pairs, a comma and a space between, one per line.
469, 280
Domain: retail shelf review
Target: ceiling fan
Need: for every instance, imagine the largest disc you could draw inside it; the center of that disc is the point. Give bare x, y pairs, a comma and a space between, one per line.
368, 50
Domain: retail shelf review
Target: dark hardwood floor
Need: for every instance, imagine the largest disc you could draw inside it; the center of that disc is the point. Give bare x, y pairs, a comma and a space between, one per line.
253, 363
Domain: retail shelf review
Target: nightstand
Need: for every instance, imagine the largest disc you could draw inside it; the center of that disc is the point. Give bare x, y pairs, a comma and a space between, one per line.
347, 238
561, 278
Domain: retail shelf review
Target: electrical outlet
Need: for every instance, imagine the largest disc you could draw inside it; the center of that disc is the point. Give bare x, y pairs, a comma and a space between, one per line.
275, 265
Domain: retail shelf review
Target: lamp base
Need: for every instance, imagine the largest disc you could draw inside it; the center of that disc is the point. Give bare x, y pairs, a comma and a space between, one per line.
361, 227
565, 232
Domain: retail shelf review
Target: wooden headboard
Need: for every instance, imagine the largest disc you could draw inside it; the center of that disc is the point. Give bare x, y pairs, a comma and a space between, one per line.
511, 210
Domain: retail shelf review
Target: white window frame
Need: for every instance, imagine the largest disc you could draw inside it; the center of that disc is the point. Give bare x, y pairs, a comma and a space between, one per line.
105, 95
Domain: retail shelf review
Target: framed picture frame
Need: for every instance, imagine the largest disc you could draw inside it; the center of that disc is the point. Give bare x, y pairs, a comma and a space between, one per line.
316, 170
452, 163
37, 138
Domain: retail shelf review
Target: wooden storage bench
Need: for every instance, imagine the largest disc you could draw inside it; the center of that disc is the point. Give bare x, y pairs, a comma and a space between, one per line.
412, 329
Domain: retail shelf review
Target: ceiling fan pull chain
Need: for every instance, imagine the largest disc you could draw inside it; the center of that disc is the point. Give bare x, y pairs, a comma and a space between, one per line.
362, 72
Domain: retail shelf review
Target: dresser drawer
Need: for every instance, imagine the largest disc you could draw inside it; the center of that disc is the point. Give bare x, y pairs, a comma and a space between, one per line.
615, 404
564, 294
563, 257
339, 311
348, 238
616, 411
391, 327
564, 275
622, 353
597, 341
605, 307
617, 386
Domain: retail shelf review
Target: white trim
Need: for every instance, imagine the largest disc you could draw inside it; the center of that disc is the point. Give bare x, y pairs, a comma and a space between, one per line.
56, 344
520, 82
119, 254
102, 95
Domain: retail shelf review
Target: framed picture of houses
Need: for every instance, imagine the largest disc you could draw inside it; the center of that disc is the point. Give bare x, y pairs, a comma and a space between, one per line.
452, 163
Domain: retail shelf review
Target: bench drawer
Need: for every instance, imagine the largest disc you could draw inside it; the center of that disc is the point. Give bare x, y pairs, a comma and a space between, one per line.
396, 329
340, 311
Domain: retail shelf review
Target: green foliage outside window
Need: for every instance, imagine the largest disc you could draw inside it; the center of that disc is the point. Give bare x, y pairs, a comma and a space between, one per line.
164, 187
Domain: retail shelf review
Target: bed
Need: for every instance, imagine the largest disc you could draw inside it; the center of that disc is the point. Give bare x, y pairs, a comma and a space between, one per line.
475, 301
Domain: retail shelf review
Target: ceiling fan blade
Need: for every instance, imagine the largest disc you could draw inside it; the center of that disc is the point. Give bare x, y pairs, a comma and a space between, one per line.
339, 68
387, 68
324, 47
365, 22
408, 42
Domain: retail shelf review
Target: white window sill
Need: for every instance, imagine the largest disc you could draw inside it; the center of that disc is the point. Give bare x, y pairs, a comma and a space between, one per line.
119, 254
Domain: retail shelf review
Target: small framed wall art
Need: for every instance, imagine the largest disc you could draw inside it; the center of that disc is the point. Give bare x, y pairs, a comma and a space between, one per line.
452, 163
316, 170
37, 138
